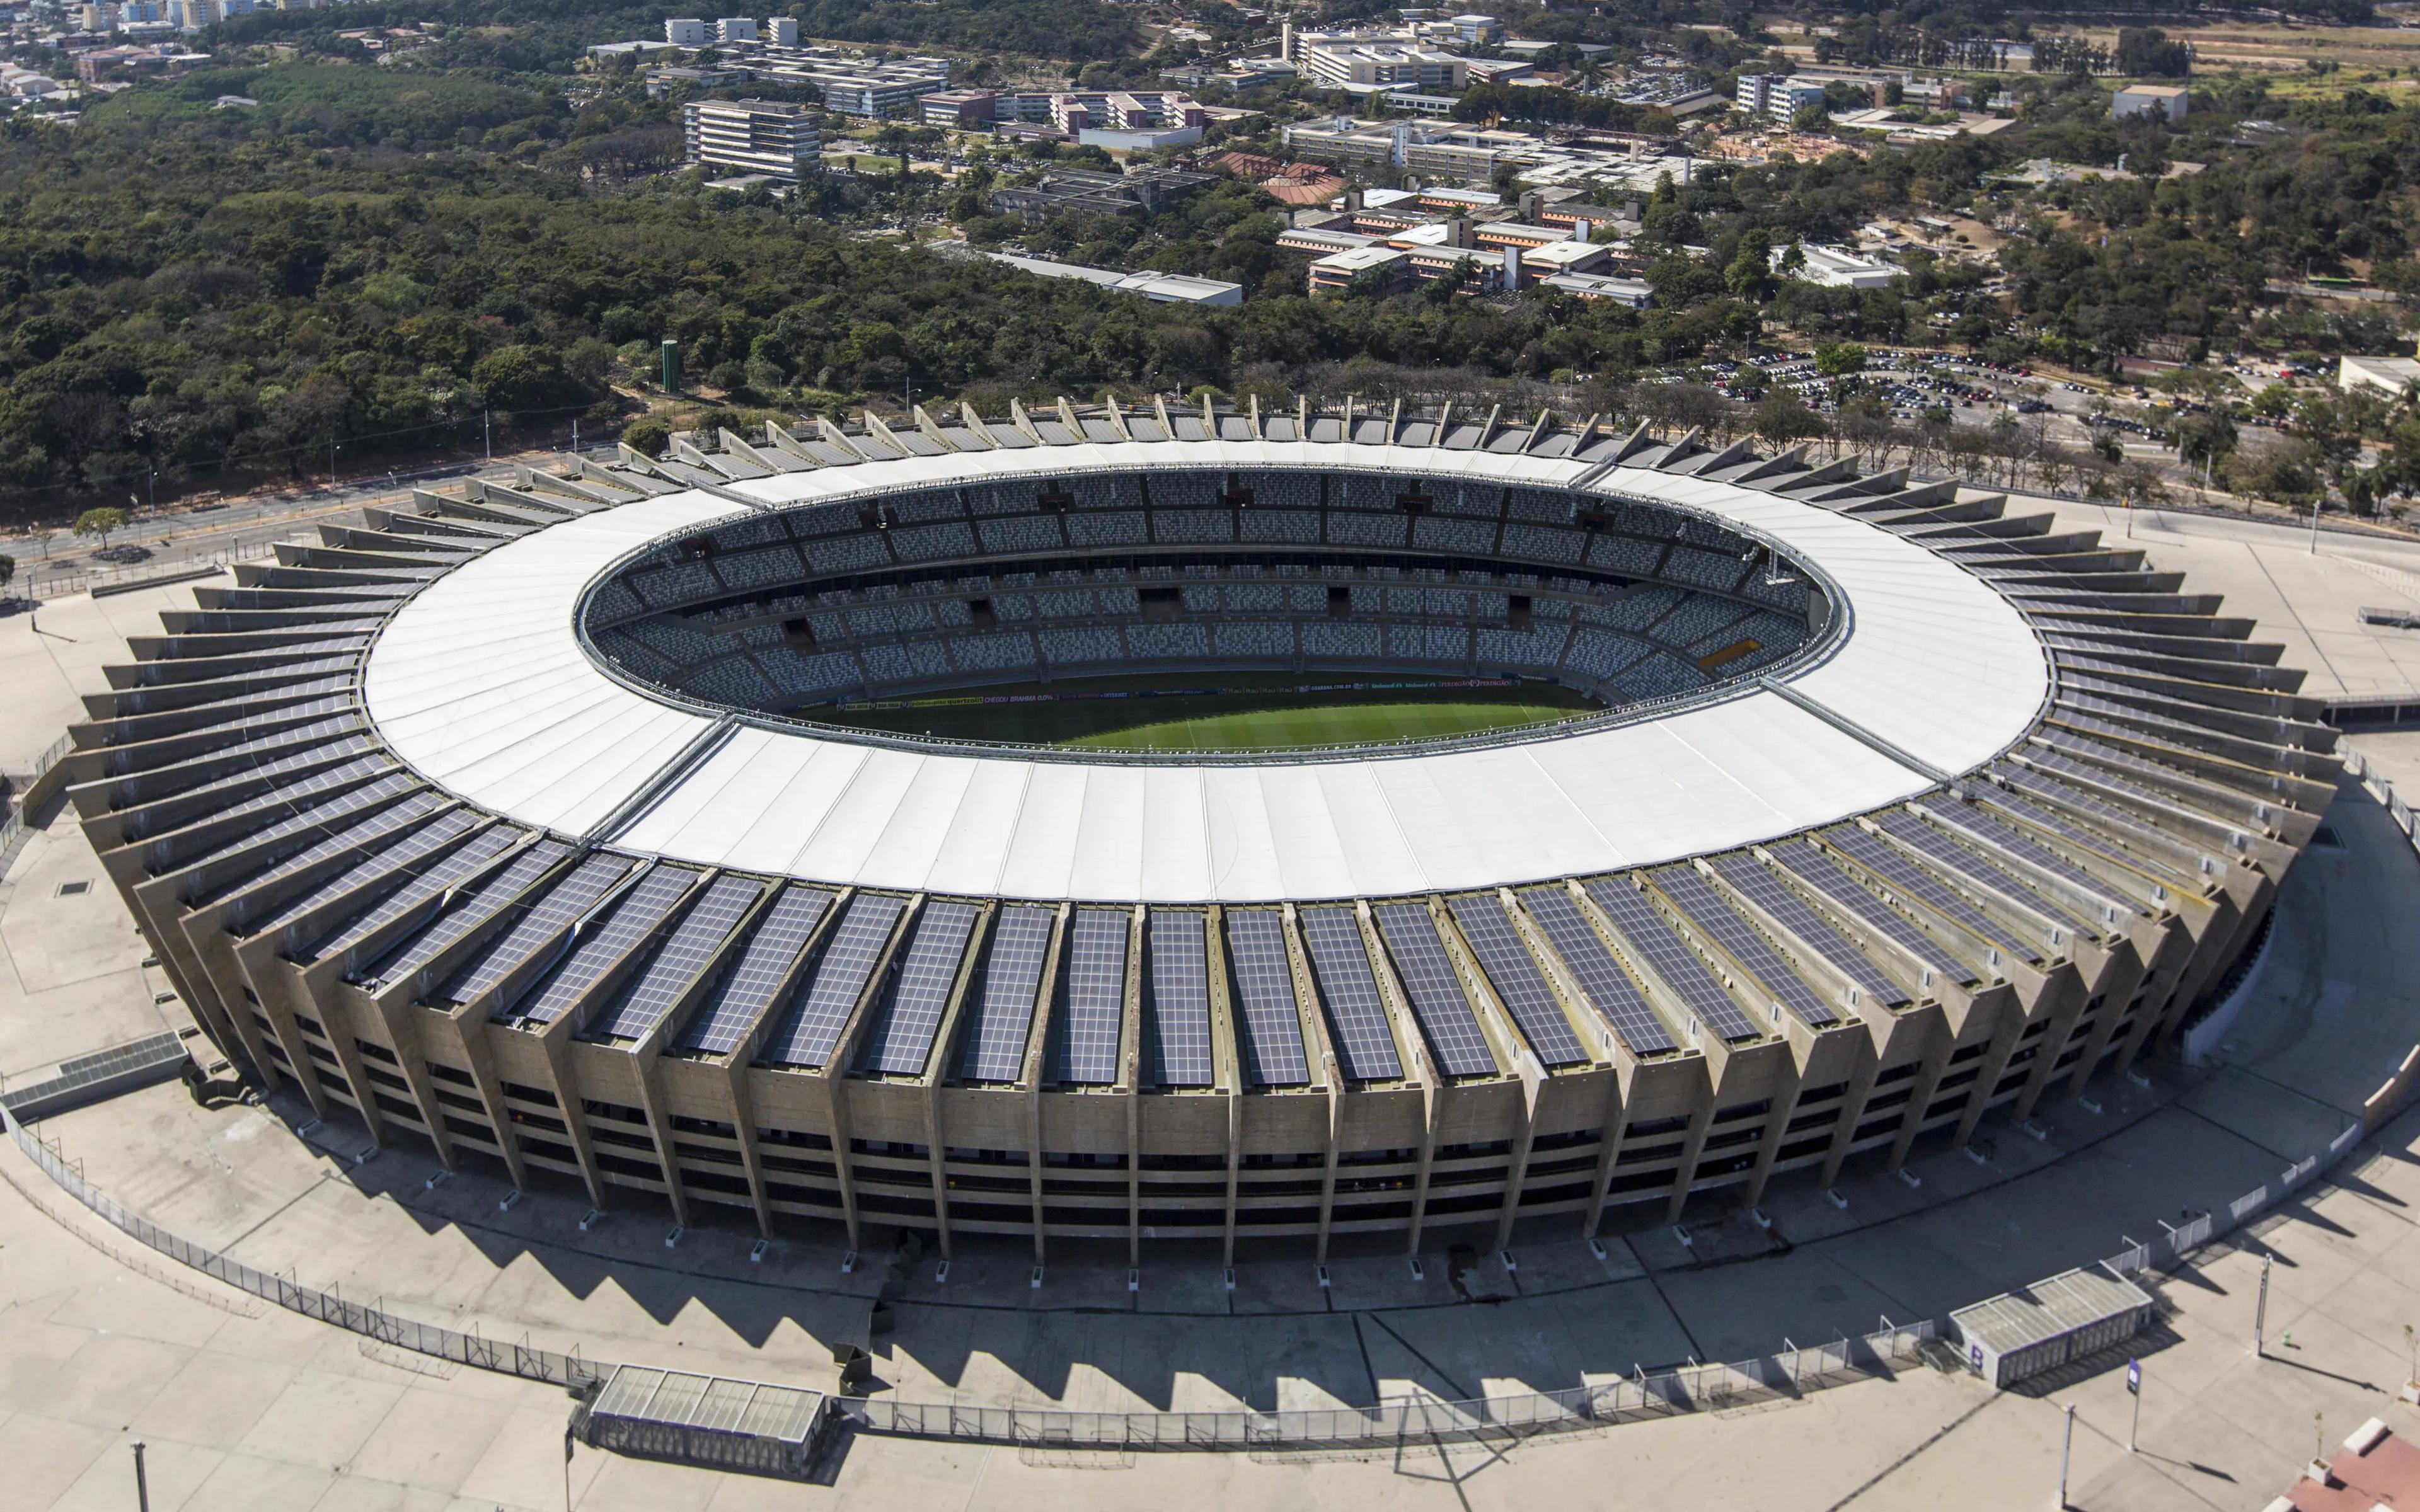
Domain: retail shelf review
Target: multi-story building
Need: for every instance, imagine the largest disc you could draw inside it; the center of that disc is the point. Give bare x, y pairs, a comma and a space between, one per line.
852, 84
1349, 141
735, 29
759, 135
1131, 122
688, 31
1778, 97
966, 110
1386, 66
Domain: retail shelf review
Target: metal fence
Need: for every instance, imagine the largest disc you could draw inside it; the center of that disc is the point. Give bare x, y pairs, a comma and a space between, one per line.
2396, 809
2177, 1242
41, 582
510, 1358
13, 826
1690, 1389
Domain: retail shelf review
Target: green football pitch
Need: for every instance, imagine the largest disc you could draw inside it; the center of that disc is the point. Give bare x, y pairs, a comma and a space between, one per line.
1335, 724
1251, 712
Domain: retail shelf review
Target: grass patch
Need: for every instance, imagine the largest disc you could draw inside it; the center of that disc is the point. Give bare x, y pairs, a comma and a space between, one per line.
1336, 724
1243, 711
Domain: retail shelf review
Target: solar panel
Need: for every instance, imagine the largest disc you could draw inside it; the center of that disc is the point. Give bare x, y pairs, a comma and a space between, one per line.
1096, 997
1601, 977
1903, 874
1762, 889
458, 921
1444, 1014
1950, 856
569, 896
624, 928
1819, 872
363, 837
384, 865
1652, 942
2094, 763
2114, 839
902, 1041
658, 984
1356, 1016
1977, 824
1004, 1000
1515, 976
424, 889
242, 847
820, 1011
1262, 978
1178, 995
746, 992
1704, 907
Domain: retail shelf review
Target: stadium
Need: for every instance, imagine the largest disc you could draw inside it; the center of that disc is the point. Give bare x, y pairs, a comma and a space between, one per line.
1153, 824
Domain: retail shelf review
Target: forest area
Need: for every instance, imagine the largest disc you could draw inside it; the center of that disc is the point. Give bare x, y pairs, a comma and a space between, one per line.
386, 259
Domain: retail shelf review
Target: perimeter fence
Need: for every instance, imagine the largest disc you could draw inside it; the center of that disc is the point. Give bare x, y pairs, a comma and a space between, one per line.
502, 1355
1693, 1388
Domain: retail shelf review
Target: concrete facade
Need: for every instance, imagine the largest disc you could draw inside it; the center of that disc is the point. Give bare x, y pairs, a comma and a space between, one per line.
342, 927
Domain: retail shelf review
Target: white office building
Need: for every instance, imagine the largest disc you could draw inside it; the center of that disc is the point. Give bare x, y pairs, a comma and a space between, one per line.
686, 32
757, 135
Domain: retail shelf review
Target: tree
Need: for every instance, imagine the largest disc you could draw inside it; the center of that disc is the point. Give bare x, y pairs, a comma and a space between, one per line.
1751, 273
1839, 358
2206, 437
100, 524
1781, 419
7, 570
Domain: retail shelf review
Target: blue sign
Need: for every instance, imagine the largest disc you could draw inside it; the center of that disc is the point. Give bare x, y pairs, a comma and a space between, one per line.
2135, 1377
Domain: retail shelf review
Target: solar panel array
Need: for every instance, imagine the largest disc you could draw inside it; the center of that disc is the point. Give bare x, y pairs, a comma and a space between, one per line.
1515, 978
256, 855
1005, 999
1096, 997
902, 1043
1971, 821
807, 1035
1262, 980
571, 896
633, 916
1601, 977
1907, 877
1178, 997
1762, 889
1429, 982
1718, 921
656, 986
1356, 1018
1818, 873
384, 865
2041, 790
736, 1003
1652, 942
358, 836
423, 890
1950, 856
458, 920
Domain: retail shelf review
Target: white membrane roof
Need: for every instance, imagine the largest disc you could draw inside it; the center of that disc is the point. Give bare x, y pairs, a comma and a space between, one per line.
481, 684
